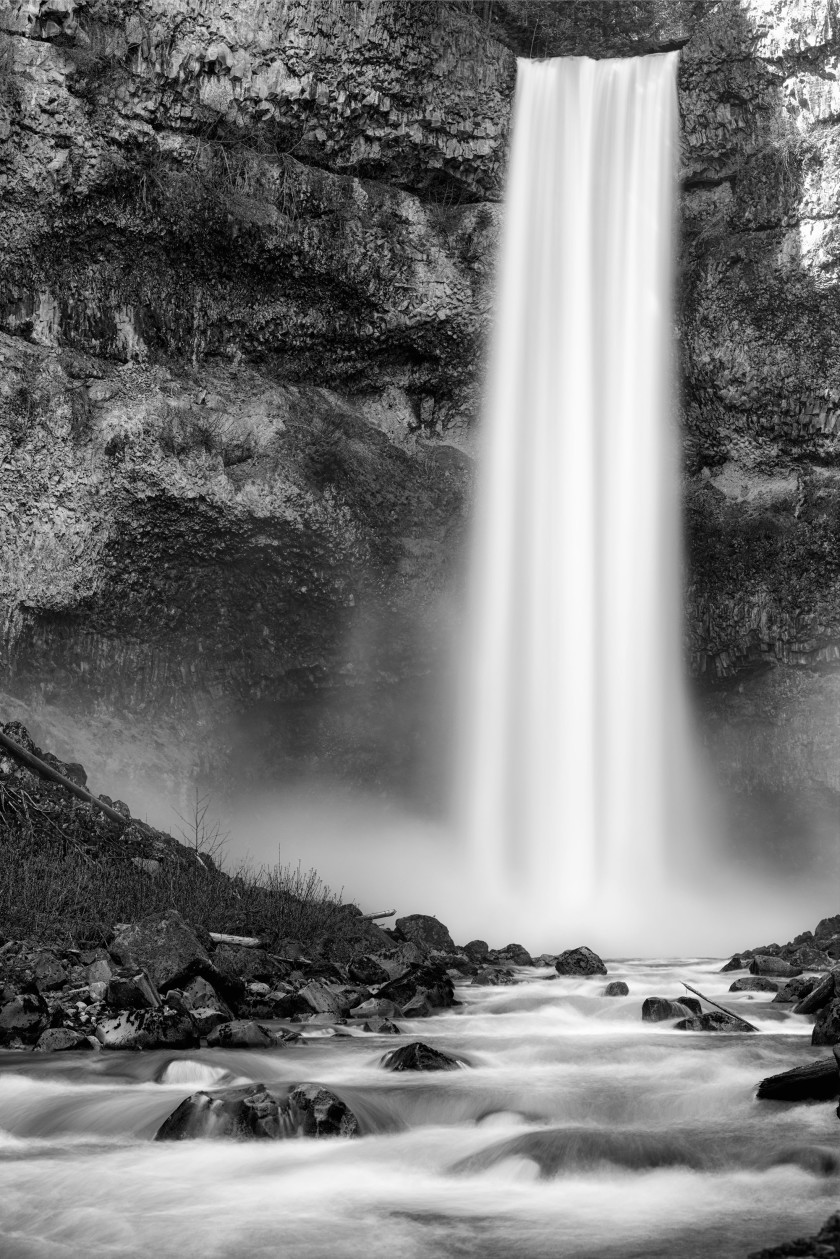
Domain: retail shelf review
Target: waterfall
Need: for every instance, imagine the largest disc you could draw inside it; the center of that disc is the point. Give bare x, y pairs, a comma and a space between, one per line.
577, 749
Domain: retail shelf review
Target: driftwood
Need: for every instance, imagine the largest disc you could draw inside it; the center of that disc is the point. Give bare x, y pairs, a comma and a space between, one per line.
722, 1008
386, 913
47, 771
242, 942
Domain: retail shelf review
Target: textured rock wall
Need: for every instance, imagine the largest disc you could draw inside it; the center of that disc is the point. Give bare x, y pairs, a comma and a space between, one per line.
243, 296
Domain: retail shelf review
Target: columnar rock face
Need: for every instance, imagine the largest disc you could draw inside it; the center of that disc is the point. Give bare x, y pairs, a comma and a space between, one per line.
244, 295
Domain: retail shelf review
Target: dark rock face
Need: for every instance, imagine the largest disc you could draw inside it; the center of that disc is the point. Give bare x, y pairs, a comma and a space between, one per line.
248, 1111
659, 1009
367, 971
817, 1081
827, 1024
765, 965
132, 992
794, 990
425, 931
580, 961
163, 945
420, 1057
714, 1021
318, 1112
754, 983
23, 1019
240, 1034
826, 1245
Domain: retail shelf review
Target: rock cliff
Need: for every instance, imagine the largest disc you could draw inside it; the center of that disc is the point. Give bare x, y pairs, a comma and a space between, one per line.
243, 297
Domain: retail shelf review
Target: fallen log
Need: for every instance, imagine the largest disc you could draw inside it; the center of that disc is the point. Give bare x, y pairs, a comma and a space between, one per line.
385, 913
47, 771
722, 1008
242, 942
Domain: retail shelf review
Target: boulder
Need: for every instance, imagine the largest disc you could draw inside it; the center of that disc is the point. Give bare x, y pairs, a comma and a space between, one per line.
579, 961
754, 983
795, 989
147, 1029
827, 1024
200, 995
315, 1111
247, 965
420, 1057
23, 1019
822, 992
365, 969
207, 1020
660, 1009
827, 928
517, 954
735, 963
240, 1034
132, 992
816, 1081
476, 950
617, 988
417, 1007
331, 998
715, 1021
492, 977
61, 1039
163, 945
426, 932
765, 964
242, 1111
430, 979
49, 972
381, 1027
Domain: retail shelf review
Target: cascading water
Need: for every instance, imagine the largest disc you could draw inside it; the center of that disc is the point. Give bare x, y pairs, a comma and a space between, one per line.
578, 742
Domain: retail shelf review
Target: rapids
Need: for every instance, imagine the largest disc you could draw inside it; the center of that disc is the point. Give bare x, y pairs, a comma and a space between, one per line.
578, 1130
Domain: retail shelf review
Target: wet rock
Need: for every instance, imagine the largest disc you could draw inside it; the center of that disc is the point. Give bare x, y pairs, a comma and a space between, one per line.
617, 988
659, 1009
240, 1034
147, 1029
163, 945
23, 1019
827, 1024
60, 1039
431, 980
420, 1057
476, 950
376, 1007
243, 1111
365, 969
132, 992
418, 1007
826, 1245
492, 977
816, 1081
715, 1021
795, 989
315, 1111
821, 993
579, 961
735, 963
765, 964
381, 1027
201, 995
754, 983
515, 953
426, 932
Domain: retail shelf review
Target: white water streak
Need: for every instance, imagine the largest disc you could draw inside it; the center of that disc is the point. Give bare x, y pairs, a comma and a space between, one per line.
578, 740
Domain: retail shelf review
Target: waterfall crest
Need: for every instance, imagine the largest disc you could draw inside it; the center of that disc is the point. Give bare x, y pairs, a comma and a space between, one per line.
578, 746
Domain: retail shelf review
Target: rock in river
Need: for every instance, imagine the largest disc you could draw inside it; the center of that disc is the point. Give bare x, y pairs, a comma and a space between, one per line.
754, 983
816, 1081
659, 1009
715, 1021
420, 1057
766, 964
580, 961
617, 988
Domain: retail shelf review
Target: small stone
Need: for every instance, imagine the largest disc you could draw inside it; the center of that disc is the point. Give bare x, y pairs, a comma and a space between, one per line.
617, 988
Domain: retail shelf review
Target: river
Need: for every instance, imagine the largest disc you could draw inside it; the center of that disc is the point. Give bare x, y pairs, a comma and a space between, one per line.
577, 1130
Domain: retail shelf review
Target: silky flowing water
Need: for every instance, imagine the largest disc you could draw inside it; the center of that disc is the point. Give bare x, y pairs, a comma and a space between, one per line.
578, 1130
